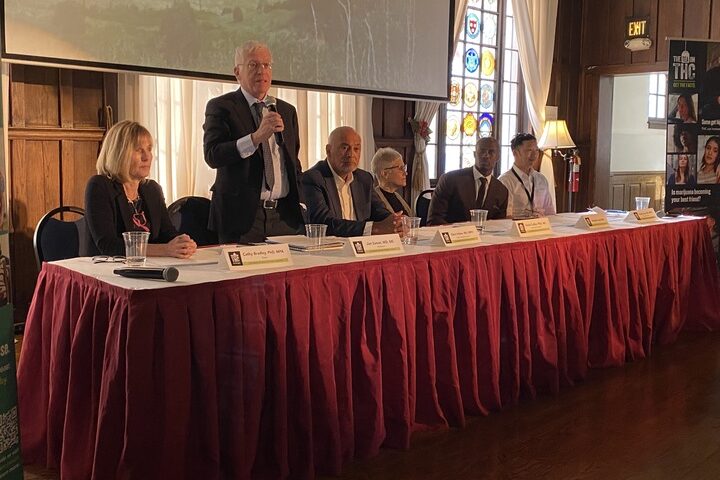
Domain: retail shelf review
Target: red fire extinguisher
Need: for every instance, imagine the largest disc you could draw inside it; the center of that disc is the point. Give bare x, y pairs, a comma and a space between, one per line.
574, 174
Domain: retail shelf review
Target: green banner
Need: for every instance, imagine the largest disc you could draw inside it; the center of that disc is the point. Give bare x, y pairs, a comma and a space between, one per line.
10, 461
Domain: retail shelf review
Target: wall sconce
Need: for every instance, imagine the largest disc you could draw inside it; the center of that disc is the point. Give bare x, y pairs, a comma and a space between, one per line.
556, 138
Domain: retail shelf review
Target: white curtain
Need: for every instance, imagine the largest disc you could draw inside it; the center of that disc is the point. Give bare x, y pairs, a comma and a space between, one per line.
173, 110
535, 25
425, 111
319, 113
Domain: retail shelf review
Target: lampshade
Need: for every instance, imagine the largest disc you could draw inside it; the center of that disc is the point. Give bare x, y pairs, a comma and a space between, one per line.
556, 135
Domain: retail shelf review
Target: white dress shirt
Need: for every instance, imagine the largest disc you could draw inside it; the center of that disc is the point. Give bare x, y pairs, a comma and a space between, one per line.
478, 176
535, 185
346, 200
246, 148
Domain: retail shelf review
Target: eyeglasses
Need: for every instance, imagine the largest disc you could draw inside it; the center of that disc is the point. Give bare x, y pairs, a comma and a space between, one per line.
256, 65
402, 168
108, 259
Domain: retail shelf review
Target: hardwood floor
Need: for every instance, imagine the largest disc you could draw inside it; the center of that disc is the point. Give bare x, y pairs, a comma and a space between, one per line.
653, 419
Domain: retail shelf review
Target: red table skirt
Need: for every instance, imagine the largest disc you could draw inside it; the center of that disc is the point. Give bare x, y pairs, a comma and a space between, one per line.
294, 374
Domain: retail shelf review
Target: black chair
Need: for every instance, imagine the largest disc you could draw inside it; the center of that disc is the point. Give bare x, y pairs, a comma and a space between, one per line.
422, 205
58, 239
190, 215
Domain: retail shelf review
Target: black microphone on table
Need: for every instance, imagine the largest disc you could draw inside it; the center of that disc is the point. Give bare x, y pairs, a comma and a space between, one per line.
271, 104
169, 274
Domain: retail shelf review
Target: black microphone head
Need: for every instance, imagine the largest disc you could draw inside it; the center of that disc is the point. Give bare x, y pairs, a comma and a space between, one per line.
170, 274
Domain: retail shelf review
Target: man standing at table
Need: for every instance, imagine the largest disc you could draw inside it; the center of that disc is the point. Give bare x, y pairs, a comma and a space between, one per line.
341, 195
529, 191
459, 191
252, 140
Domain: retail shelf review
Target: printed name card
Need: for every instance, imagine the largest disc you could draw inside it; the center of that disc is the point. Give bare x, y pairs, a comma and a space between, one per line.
646, 215
376, 245
531, 227
257, 256
592, 221
456, 236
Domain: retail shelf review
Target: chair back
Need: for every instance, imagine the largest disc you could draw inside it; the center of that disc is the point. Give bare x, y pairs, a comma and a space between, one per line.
58, 239
422, 205
190, 215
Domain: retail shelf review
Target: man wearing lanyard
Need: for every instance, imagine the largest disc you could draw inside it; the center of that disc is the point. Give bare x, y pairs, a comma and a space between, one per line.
529, 190
252, 140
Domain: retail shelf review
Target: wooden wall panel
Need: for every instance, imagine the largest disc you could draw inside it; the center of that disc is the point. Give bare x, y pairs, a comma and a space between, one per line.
624, 187
87, 89
37, 102
595, 34
696, 19
647, 8
78, 162
670, 24
715, 20
54, 134
34, 168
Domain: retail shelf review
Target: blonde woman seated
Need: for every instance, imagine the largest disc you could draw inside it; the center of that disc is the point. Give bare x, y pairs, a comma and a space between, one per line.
120, 198
390, 172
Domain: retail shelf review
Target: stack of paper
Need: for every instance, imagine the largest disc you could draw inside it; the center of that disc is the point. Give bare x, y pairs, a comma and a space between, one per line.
300, 243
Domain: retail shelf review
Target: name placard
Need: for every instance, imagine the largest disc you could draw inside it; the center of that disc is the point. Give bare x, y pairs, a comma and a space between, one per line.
257, 256
592, 221
646, 215
376, 245
456, 236
531, 227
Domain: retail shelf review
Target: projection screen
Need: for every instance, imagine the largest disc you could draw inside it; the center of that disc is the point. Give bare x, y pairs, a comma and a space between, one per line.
384, 47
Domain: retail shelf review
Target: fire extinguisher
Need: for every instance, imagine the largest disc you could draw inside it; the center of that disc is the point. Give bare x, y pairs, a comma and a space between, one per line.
574, 174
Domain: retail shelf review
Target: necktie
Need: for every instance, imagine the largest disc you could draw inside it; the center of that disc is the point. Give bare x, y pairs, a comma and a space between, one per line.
481, 193
267, 156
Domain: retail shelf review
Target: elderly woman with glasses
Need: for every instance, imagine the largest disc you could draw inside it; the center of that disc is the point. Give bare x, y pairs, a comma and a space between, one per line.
120, 198
390, 172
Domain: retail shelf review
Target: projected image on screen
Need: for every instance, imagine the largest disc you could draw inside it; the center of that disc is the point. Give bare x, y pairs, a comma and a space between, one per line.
388, 46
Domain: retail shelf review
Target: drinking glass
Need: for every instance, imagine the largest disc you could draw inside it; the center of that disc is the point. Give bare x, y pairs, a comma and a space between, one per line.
135, 248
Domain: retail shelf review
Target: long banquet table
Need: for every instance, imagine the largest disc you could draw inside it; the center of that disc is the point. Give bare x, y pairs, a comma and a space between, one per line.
293, 373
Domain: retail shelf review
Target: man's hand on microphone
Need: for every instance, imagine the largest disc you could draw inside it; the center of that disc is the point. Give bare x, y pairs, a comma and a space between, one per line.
271, 122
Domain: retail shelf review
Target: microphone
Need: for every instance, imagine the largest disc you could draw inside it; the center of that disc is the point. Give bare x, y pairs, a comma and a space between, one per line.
169, 274
271, 104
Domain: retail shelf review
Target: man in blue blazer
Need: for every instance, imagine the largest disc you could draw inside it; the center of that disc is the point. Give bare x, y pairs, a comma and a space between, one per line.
252, 140
341, 196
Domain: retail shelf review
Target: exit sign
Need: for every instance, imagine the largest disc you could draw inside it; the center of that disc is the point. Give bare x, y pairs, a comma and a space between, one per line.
637, 27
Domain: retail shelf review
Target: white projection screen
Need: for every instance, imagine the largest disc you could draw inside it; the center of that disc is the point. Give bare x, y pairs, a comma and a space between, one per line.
396, 48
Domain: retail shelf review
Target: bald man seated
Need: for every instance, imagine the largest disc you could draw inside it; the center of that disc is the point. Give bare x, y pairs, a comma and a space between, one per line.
459, 191
341, 195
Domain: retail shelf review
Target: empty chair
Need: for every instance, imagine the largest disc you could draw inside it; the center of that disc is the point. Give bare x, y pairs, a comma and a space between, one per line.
190, 215
58, 239
422, 205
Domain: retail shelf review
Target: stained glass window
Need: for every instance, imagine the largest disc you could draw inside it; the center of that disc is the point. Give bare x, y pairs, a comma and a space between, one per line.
484, 88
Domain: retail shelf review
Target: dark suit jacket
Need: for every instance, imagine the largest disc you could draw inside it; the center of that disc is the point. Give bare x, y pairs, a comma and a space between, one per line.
108, 214
236, 192
454, 197
323, 201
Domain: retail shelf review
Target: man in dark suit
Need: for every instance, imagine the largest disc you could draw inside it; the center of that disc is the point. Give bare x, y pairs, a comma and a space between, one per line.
459, 191
254, 148
341, 196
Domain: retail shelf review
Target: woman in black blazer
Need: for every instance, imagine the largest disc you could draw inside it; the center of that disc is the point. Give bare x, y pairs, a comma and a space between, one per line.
120, 198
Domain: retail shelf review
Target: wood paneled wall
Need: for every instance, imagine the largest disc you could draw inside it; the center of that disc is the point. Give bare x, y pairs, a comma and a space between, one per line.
55, 128
589, 48
625, 186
